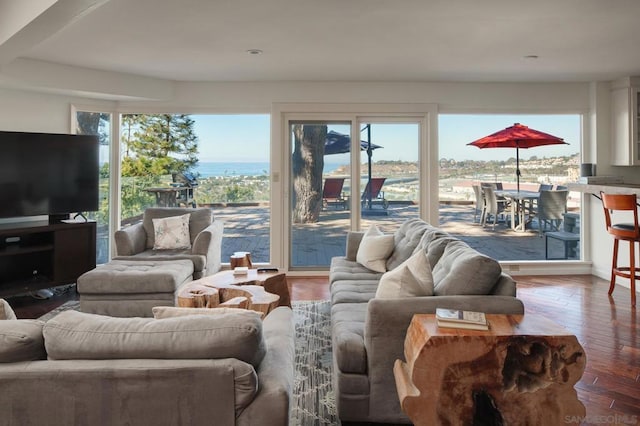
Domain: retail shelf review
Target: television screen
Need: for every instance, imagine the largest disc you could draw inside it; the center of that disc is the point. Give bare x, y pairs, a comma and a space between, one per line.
47, 174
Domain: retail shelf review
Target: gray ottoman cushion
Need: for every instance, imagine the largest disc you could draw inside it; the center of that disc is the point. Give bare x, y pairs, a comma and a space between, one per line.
121, 276
199, 261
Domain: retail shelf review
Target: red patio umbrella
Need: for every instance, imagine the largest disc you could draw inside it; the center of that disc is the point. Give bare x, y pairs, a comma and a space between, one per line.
517, 136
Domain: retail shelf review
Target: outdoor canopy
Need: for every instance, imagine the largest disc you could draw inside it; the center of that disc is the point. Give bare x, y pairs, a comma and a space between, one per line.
337, 143
517, 136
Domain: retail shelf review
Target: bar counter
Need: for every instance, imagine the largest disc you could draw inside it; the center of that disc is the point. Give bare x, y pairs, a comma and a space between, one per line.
613, 188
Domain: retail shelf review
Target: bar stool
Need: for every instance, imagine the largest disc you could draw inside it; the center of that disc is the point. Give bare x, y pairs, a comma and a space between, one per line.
622, 231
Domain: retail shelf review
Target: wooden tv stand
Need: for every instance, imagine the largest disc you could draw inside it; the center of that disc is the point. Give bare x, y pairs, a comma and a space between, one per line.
36, 255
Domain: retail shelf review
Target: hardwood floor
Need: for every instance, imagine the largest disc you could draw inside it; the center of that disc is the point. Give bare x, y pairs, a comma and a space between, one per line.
607, 328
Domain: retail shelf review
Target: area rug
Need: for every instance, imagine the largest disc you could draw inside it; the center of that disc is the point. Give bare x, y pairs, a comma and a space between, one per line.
314, 399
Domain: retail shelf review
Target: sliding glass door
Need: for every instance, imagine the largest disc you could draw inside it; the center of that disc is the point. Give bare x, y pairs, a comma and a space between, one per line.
320, 200
338, 183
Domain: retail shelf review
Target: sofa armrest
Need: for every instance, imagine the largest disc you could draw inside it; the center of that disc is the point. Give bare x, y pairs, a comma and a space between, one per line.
386, 325
275, 373
130, 240
353, 242
208, 243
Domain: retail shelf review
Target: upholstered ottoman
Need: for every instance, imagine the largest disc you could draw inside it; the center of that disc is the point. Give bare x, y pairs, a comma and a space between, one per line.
130, 288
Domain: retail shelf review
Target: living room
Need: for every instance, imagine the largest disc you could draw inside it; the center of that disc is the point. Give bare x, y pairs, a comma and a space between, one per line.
70, 56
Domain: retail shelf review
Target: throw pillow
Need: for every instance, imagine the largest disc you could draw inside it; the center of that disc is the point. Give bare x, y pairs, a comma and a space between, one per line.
6, 313
410, 279
160, 312
172, 232
374, 249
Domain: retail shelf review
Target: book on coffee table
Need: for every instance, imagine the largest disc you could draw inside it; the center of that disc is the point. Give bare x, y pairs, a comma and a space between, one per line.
452, 318
240, 270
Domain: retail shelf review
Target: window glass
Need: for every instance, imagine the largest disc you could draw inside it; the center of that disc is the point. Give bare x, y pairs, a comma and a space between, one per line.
514, 220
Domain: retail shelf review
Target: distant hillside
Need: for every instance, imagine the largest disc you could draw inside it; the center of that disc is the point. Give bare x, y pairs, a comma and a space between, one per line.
449, 168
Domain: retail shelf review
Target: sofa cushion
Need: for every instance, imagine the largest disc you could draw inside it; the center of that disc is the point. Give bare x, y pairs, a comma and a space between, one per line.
435, 249
78, 335
200, 218
171, 232
411, 278
6, 313
374, 249
464, 271
21, 340
354, 291
350, 270
405, 241
347, 331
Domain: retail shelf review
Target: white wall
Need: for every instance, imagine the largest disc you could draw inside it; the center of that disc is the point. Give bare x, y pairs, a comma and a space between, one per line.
29, 111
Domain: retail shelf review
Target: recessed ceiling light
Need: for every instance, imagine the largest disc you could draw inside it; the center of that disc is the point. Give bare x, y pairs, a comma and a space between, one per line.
254, 52
531, 57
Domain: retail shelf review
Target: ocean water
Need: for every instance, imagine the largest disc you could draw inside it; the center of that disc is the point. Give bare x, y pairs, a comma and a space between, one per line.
213, 169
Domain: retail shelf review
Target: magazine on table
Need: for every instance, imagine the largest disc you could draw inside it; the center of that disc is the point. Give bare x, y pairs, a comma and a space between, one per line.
454, 318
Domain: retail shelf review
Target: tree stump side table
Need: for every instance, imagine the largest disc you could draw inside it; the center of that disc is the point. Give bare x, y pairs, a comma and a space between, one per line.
521, 371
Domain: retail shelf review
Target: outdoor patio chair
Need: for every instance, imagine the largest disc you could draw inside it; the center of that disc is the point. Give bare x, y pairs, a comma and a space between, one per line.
374, 186
569, 237
495, 185
477, 191
552, 206
545, 187
332, 193
493, 206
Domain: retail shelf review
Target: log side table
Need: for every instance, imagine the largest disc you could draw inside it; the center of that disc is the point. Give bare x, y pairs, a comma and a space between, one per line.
521, 371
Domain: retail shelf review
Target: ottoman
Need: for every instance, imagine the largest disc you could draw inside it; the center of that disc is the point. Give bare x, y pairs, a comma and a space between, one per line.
130, 288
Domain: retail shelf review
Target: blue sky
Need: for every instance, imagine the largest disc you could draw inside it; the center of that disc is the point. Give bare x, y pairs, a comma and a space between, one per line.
232, 138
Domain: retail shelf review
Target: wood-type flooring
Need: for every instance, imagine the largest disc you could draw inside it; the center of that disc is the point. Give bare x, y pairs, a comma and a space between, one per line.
607, 328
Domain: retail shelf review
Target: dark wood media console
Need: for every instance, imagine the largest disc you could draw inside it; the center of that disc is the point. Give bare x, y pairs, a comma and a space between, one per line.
35, 255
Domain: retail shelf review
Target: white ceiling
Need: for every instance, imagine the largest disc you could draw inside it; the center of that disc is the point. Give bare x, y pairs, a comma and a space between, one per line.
333, 40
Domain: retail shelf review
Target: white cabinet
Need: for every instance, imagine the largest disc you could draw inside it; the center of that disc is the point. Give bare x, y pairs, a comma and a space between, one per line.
625, 122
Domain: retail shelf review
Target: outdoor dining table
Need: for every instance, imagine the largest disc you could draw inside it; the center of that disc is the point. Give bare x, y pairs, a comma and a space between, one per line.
521, 202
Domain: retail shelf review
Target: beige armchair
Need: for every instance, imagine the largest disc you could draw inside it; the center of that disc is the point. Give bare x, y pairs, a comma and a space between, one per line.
136, 242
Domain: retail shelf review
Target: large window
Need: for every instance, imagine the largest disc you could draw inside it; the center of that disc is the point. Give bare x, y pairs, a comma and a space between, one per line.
521, 223
215, 161
99, 123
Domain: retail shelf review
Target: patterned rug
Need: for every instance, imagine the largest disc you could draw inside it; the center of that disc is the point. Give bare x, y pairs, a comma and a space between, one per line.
313, 400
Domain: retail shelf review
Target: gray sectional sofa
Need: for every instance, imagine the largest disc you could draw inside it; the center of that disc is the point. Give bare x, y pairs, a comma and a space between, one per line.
86, 369
368, 333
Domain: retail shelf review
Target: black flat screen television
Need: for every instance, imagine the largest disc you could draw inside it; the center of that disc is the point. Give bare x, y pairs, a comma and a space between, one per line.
47, 174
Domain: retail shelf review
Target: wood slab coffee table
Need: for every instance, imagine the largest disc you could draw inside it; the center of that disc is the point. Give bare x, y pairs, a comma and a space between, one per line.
256, 291
521, 371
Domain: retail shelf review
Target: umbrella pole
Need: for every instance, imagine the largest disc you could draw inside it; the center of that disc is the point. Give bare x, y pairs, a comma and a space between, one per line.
518, 168
369, 152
